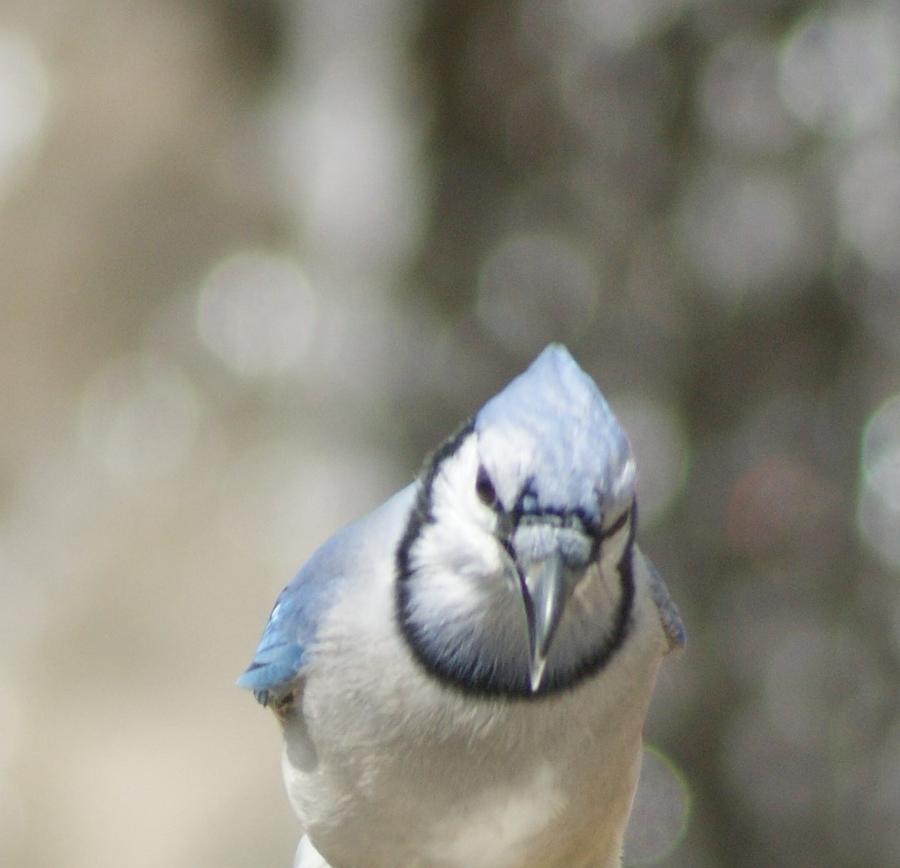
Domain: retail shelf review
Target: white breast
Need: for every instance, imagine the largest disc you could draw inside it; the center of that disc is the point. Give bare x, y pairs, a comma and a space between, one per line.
388, 769
495, 828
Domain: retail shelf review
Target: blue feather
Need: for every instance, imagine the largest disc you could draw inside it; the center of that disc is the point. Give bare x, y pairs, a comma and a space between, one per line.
283, 647
555, 420
289, 639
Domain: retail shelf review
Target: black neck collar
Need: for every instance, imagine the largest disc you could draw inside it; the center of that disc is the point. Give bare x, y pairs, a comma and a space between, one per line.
492, 681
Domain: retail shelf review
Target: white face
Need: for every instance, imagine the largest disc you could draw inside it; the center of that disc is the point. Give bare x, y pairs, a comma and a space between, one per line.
515, 571
460, 559
469, 565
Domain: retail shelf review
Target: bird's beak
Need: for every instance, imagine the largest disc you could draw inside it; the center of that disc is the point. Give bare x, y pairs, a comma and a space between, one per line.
546, 587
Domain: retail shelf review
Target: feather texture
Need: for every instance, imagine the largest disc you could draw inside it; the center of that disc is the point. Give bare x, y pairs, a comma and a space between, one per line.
462, 675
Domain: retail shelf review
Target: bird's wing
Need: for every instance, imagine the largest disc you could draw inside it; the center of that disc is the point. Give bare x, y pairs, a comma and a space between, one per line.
668, 611
288, 641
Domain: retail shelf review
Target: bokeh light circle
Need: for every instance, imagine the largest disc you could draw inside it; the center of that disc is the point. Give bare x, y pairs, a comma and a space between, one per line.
878, 505
25, 91
140, 418
257, 313
840, 71
661, 810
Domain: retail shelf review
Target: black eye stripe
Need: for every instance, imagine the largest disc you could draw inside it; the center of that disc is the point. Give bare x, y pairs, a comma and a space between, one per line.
526, 509
484, 488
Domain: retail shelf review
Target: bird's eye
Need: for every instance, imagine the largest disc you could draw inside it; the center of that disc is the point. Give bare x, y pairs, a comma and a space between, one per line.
484, 488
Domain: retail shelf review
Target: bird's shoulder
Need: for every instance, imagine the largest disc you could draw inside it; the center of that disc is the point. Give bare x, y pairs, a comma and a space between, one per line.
288, 640
669, 616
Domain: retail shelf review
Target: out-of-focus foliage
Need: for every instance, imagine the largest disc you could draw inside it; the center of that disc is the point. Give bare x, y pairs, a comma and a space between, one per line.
258, 257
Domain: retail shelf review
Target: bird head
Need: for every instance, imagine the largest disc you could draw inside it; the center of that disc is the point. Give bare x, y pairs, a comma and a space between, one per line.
514, 573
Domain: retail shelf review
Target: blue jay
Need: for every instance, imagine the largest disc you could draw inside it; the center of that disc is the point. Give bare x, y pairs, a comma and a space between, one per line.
462, 676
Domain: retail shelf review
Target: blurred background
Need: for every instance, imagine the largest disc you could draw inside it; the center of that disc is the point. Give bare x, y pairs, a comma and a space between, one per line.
258, 257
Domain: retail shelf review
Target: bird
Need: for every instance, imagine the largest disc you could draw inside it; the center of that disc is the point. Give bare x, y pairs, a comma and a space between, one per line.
462, 676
